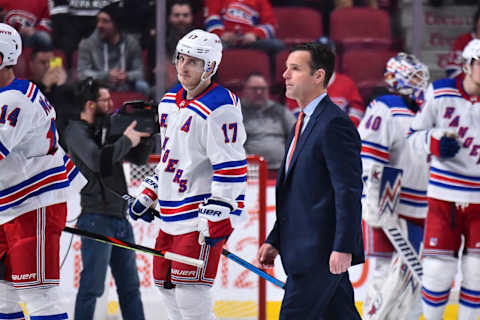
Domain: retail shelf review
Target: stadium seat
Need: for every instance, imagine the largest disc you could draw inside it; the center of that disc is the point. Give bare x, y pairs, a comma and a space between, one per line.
237, 64
298, 24
350, 27
119, 97
366, 67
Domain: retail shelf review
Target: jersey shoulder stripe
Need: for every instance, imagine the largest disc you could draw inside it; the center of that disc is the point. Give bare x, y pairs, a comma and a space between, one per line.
217, 97
27, 88
170, 96
396, 105
446, 88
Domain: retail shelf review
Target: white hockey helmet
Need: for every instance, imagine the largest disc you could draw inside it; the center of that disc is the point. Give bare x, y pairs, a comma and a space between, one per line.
202, 45
405, 74
470, 53
10, 45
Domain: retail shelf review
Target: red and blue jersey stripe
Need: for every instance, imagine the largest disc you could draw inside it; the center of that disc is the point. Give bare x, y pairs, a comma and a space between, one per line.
375, 151
453, 181
231, 171
3, 151
48, 180
181, 210
412, 197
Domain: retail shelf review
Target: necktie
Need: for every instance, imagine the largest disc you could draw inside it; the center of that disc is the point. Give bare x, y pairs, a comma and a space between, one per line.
298, 129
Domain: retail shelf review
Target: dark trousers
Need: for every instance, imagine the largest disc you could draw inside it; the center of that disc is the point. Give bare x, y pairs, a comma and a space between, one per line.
97, 256
319, 295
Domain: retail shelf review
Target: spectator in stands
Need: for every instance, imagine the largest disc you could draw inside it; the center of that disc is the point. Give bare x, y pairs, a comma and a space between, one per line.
48, 73
30, 18
267, 123
180, 22
73, 21
111, 55
240, 23
455, 61
342, 91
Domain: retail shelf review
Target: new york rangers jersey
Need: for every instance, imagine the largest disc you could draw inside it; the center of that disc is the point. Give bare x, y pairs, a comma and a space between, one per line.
34, 170
448, 106
384, 130
202, 156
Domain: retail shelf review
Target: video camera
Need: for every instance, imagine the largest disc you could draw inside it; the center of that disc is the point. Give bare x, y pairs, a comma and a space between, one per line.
144, 112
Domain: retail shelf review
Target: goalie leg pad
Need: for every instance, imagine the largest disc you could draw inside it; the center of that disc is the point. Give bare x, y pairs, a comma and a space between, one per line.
438, 275
170, 303
195, 302
469, 302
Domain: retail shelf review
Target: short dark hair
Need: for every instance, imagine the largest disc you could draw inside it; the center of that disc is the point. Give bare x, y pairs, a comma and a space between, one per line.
88, 90
38, 47
180, 3
255, 74
321, 57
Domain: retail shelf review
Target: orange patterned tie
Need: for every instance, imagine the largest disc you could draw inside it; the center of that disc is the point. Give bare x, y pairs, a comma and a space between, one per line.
298, 129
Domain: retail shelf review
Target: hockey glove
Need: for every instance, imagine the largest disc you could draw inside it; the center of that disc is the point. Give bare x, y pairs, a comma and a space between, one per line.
141, 206
214, 222
443, 144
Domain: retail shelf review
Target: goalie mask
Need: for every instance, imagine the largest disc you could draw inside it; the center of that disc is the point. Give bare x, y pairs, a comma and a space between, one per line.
10, 45
202, 45
470, 53
406, 75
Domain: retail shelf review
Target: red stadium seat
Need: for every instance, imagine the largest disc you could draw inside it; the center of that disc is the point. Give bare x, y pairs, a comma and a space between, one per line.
298, 24
119, 97
360, 26
237, 64
366, 67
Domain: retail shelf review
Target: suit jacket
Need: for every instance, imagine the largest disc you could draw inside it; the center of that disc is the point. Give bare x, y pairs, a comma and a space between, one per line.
318, 200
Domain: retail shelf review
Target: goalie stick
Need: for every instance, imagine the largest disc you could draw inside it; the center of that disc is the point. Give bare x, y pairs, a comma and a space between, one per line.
132, 246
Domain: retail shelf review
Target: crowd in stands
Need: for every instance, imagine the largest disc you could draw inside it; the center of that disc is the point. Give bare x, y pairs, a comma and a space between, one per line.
114, 41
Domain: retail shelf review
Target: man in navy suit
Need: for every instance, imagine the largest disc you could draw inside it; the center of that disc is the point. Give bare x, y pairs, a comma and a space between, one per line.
318, 230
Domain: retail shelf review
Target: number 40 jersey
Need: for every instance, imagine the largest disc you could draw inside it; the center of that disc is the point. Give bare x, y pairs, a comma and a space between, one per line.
34, 171
384, 130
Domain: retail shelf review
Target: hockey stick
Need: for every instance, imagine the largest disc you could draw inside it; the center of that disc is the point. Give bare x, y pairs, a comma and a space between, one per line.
252, 268
405, 250
132, 246
225, 252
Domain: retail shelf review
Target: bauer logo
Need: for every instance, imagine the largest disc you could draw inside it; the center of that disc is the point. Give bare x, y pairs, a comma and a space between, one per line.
210, 212
25, 276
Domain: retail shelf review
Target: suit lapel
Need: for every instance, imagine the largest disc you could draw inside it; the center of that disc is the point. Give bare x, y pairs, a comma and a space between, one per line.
304, 136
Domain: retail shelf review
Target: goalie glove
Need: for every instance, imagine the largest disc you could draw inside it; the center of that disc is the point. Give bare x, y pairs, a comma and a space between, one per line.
141, 207
443, 143
214, 221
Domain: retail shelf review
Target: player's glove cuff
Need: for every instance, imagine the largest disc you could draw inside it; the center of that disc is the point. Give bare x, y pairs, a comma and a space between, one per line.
214, 221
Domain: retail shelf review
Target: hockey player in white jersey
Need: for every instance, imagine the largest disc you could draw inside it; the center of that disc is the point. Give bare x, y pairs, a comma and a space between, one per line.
35, 176
384, 130
201, 179
448, 127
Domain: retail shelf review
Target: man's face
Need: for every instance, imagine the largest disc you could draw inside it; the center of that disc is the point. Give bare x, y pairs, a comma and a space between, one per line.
255, 92
105, 26
189, 70
40, 64
299, 80
104, 102
181, 16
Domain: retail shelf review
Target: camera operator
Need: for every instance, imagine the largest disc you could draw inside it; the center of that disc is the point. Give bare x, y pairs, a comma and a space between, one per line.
103, 211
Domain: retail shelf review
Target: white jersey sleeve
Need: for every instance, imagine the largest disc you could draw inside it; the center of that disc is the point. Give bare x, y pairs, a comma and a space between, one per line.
377, 131
225, 139
418, 135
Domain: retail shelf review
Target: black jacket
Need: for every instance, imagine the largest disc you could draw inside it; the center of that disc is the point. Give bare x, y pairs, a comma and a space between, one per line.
102, 166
